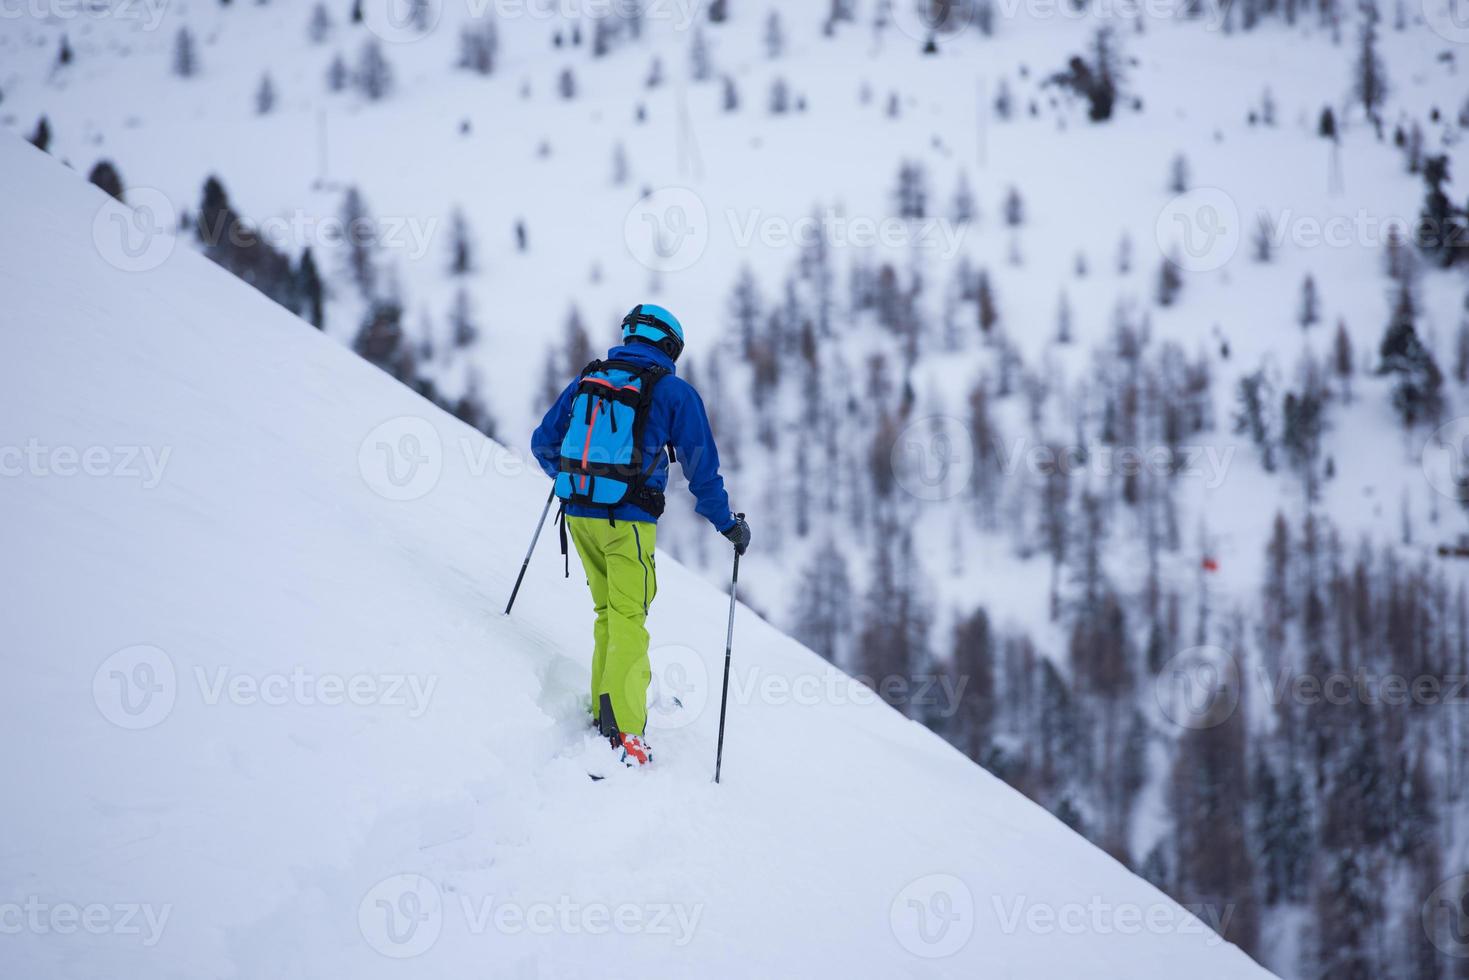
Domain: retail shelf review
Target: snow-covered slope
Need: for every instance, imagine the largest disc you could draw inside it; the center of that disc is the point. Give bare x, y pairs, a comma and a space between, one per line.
265, 720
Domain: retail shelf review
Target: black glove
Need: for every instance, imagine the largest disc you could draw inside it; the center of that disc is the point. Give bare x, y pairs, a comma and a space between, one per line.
739, 534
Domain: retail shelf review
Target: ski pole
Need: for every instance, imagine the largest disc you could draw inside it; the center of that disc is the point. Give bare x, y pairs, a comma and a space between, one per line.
734, 581
534, 538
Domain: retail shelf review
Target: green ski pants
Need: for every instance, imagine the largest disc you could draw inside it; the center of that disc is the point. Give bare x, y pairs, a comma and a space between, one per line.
618, 559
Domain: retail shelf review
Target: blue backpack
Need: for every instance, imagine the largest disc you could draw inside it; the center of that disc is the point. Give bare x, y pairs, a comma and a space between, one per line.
601, 455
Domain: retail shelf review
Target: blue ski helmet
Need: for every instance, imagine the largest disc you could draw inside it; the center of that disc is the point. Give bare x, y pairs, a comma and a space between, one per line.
654, 325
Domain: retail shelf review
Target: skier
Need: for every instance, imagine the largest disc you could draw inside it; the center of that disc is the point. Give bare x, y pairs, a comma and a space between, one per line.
603, 442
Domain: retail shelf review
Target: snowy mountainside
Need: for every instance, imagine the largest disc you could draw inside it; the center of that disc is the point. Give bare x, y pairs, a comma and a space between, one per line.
274, 724
889, 394
507, 148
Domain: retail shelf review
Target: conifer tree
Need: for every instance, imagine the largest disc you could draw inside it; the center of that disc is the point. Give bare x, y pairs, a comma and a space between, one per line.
1417, 394
701, 65
381, 341
774, 37
319, 28
974, 665
185, 59
730, 98
479, 47
780, 97
823, 611
461, 320
1308, 313
105, 176
265, 96
461, 247
359, 233
374, 76
1369, 82
1443, 233
311, 290
337, 74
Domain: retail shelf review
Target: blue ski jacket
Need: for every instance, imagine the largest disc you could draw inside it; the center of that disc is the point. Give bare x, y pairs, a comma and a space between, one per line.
676, 417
